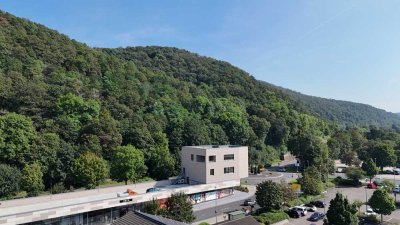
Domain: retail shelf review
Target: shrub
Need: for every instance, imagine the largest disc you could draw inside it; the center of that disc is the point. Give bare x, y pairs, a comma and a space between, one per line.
58, 188
242, 188
272, 217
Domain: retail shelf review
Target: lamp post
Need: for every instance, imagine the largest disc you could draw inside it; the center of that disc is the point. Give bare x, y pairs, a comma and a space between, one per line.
366, 199
216, 199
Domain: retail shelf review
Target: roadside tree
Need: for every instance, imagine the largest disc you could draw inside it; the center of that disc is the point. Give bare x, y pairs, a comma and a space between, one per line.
341, 212
10, 177
178, 207
370, 168
382, 203
269, 195
32, 179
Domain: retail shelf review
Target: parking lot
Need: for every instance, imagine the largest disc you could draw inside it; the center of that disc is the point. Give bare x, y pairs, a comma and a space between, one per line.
352, 194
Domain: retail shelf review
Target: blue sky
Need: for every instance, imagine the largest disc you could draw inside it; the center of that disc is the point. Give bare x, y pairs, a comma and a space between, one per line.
348, 50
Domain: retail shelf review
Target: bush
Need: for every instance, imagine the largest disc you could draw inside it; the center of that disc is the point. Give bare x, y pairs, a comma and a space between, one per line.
304, 200
346, 182
271, 217
242, 188
58, 188
204, 223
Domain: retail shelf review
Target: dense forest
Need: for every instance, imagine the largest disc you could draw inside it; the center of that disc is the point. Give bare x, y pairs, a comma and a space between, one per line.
72, 116
347, 114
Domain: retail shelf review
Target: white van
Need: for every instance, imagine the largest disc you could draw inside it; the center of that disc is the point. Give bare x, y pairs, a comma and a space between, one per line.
301, 209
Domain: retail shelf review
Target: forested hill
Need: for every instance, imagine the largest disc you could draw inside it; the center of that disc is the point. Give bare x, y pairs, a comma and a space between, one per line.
191, 67
342, 112
63, 103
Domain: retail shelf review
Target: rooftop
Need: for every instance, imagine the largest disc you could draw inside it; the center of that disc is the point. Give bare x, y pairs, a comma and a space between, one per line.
140, 218
214, 146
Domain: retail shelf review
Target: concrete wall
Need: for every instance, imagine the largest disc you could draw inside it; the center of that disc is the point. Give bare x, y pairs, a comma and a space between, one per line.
200, 171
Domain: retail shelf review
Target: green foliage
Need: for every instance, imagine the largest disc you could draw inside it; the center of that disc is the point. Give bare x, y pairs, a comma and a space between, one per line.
16, 137
10, 178
269, 195
160, 161
370, 169
287, 191
178, 207
31, 180
381, 202
383, 152
89, 170
311, 182
341, 212
354, 173
127, 164
151, 207
271, 217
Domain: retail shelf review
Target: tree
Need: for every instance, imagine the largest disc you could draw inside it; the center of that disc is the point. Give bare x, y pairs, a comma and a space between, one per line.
382, 203
341, 212
89, 170
16, 137
160, 161
31, 180
151, 207
288, 193
370, 169
383, 152
311, 182
269, 195
355, 174
10, 178
178, 207
127, 164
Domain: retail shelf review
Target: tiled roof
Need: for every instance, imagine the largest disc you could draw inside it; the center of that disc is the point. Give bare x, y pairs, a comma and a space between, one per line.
140, 218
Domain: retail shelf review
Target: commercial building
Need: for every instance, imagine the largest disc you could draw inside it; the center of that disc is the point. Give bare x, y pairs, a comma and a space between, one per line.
104, 206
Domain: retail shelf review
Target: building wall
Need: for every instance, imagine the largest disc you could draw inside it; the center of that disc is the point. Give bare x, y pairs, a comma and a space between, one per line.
60, 208
200, 171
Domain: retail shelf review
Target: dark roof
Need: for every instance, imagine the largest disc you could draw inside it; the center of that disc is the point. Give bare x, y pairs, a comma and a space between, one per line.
140, 218
248, 220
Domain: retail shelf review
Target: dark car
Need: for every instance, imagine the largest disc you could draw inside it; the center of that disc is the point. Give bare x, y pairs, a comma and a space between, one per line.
150, 190
294, 213
319, 204
316, 216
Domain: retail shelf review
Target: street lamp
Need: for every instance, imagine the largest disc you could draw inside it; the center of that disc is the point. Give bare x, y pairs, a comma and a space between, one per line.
216, 199
366, 199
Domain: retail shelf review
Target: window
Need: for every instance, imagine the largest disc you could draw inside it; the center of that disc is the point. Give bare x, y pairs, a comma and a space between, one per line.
229, 170
192, 157
212, 172
200, 158
229, 157
212, 158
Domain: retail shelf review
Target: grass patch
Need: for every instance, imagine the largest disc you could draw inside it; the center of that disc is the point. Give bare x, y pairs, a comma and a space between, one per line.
304, 200
271, 217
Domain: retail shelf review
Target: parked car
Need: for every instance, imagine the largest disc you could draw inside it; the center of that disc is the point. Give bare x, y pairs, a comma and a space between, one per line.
294, 213
310, 207
369, 212
319, 204
281, 169
150, 190
249, 202
396, 190
301, 209
316, 216
371, 186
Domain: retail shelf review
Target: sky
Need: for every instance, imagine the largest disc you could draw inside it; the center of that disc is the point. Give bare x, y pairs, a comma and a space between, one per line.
347, 50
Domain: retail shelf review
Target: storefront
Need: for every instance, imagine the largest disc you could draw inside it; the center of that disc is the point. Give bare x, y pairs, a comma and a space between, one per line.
211, 195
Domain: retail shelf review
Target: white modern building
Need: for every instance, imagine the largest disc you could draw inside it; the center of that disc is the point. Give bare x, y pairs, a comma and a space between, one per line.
214, 163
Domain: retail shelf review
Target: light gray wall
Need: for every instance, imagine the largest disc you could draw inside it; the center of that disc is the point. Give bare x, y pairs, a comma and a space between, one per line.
201, 171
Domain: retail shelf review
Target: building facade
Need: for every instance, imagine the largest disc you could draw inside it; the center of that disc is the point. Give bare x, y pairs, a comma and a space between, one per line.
214, 163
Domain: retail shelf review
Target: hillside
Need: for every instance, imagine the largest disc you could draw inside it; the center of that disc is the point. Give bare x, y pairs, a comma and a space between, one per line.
342, 112
61, 100
191, 67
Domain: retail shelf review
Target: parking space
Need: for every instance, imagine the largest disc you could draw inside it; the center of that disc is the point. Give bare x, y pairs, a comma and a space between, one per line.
352, 194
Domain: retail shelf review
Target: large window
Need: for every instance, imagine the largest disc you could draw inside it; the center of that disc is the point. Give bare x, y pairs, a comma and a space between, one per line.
212, 172
229, 170
229, 157
200, 158
212, 158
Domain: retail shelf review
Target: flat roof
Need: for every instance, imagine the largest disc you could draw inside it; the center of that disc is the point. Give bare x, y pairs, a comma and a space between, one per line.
214, 146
